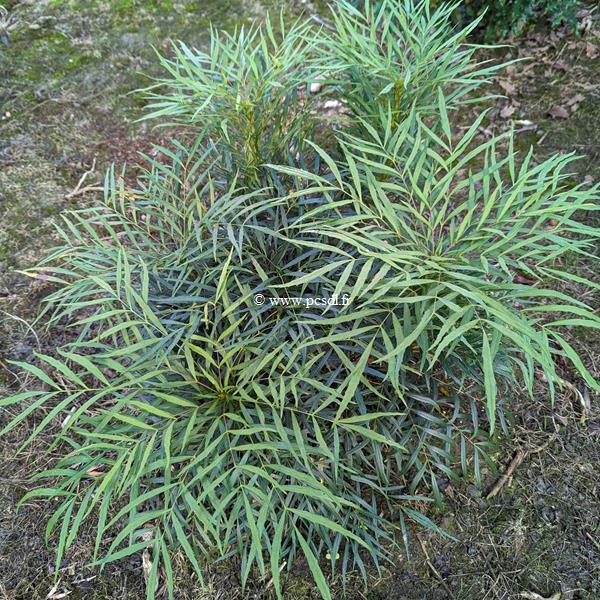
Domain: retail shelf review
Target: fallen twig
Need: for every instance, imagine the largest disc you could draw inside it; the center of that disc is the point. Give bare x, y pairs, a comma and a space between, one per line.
534, 596
78, 189
270, 583
582, 400
87, 188
435, 571
29, 327
17, 482
591, 538
518, 458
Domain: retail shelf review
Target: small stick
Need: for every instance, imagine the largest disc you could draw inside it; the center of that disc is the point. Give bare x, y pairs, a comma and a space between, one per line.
584, 405
534, 596
591, 538
87, 188
37, 339
435, 571
542, 138
78, 189
271, 580
518, 458
5, 481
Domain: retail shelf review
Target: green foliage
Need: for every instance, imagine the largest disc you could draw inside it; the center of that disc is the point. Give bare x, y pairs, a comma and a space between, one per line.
243, 94
195, 420
401, 54
504, 16
493, 19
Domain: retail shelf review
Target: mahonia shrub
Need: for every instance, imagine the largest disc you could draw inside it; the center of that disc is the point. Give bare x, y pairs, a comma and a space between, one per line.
243, 97
389, 56
249, 99
201, 410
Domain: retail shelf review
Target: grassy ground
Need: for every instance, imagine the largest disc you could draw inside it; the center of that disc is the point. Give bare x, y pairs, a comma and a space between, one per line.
65, 110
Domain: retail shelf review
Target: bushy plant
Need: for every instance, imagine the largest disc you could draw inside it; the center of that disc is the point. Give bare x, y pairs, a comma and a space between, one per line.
389, 56
197, 416
249, 97
242, 95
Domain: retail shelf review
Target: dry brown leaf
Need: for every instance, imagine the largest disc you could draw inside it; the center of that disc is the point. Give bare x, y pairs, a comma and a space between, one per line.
520, 279
528, 70
561, 65
558, 112
591, 51
576, 99
54, 594
507, 86
492, 115
146, 560
507, 111
146, 565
